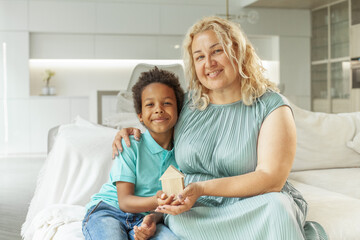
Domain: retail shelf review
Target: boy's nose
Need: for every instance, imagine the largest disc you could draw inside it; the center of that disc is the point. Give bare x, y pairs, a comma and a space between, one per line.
159, 109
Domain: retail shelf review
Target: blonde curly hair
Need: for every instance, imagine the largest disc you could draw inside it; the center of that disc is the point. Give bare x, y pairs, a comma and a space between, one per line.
241, 53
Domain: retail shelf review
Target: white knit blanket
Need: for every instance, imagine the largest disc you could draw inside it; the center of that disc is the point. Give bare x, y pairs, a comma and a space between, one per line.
51, 222
75, 169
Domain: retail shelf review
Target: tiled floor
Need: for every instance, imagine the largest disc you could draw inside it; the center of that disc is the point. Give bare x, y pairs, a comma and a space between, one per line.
18, 175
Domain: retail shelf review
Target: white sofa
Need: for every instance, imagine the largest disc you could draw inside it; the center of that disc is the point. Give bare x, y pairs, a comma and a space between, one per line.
326, 170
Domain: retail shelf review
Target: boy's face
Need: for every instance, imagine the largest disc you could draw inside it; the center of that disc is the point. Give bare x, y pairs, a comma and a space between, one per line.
159, 109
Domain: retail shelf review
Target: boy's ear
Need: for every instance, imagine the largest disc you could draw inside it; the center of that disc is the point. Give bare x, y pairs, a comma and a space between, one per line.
140, 117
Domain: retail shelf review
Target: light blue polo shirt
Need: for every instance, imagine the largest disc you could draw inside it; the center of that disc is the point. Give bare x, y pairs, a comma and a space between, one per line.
142, 164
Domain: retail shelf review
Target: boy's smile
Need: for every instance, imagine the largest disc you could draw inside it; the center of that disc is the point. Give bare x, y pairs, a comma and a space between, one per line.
158, 111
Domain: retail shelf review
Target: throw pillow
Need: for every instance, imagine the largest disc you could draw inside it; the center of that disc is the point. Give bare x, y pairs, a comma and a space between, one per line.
355, 143
125, 102
322, 140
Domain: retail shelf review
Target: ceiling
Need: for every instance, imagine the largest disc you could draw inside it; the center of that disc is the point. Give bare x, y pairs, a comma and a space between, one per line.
291, 4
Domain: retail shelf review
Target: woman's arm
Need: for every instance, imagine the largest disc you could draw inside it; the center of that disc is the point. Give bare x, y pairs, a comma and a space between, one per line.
275, 150
124, 133
128, 202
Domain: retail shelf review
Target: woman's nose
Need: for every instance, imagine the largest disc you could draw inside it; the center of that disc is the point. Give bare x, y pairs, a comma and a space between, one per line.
209, 62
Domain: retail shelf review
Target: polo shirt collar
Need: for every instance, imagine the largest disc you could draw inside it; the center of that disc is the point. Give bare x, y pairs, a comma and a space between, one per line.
153, 146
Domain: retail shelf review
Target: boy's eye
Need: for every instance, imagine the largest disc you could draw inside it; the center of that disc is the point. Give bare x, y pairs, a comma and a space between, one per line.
167, 103
149, 104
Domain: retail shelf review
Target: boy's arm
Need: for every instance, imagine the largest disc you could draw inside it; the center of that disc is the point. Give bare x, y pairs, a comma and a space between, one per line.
148, 226
128, 202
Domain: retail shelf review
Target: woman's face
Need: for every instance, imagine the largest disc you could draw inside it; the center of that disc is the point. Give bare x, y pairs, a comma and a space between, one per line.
213, 67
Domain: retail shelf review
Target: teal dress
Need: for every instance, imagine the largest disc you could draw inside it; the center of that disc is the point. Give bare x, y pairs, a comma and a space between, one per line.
221, 142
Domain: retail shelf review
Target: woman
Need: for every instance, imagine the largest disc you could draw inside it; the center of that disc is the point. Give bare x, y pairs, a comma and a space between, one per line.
235, 141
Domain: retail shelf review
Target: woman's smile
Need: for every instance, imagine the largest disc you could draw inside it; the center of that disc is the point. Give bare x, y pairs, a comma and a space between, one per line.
215, 73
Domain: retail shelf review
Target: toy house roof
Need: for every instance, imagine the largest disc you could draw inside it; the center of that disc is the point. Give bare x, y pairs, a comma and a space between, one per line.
171, 172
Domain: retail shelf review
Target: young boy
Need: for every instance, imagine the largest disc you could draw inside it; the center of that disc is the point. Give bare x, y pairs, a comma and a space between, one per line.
121, 209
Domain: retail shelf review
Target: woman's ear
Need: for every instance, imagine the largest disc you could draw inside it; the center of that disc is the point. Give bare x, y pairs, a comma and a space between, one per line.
140, 117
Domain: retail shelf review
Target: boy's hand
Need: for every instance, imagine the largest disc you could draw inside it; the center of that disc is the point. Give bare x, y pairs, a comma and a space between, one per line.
163, 199
147, 228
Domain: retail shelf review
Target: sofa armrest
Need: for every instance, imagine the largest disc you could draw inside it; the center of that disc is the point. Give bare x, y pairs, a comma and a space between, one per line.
51, 137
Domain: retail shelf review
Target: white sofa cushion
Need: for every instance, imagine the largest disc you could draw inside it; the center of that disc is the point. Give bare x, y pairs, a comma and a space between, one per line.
337, 213
322, 140
340, 180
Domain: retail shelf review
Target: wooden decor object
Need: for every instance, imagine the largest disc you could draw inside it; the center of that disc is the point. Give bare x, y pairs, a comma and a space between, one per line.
172, 181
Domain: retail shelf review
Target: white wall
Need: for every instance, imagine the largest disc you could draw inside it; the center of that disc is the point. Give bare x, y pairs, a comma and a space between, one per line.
295, 70
94, 29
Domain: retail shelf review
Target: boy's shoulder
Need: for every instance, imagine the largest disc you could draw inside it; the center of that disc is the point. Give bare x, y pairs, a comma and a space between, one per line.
134, 144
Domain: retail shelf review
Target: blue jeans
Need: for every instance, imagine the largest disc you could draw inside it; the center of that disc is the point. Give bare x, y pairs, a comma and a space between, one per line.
106, 222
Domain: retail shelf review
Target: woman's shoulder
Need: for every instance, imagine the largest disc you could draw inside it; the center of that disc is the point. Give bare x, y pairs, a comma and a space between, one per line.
272, 98
187, 98
270, 101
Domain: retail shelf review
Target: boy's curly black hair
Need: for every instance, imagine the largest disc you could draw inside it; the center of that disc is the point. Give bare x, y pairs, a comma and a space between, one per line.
156, 75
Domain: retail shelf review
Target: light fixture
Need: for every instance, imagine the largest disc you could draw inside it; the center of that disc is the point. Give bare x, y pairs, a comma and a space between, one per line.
250, 16
6, 123
96, 63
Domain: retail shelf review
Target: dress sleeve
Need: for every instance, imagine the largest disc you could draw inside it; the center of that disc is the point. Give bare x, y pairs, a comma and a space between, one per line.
272, 101
124, 167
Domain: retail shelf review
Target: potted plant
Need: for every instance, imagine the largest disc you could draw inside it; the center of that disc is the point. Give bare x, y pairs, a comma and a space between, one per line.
47, 90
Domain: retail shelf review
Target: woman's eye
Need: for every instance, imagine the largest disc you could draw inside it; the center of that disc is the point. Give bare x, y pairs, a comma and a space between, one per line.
199, 58
218, 50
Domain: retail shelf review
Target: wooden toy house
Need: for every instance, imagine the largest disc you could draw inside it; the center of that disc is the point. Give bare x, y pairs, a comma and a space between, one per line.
172, 181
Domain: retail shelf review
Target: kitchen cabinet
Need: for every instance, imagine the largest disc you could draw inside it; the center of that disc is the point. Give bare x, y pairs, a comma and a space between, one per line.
355, 12
62, 16
131, 18
29, 120
319, 39
339, 30
125, 47
13, 15
104, 46
355, 41
48, 112
18, 127
169, 47
61, 46
330, 56
16, 63
176, 19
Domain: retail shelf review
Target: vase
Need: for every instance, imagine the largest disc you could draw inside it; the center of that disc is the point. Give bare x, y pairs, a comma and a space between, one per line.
52, 91
45, 91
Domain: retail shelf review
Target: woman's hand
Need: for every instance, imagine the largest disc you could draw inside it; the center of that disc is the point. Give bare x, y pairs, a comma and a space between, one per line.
163, 199
187, 199
124, 133
147, 228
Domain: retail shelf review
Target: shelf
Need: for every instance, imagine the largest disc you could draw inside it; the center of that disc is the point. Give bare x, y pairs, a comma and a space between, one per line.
339, 43
319, 46
319, 82
345, 21
319, 27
